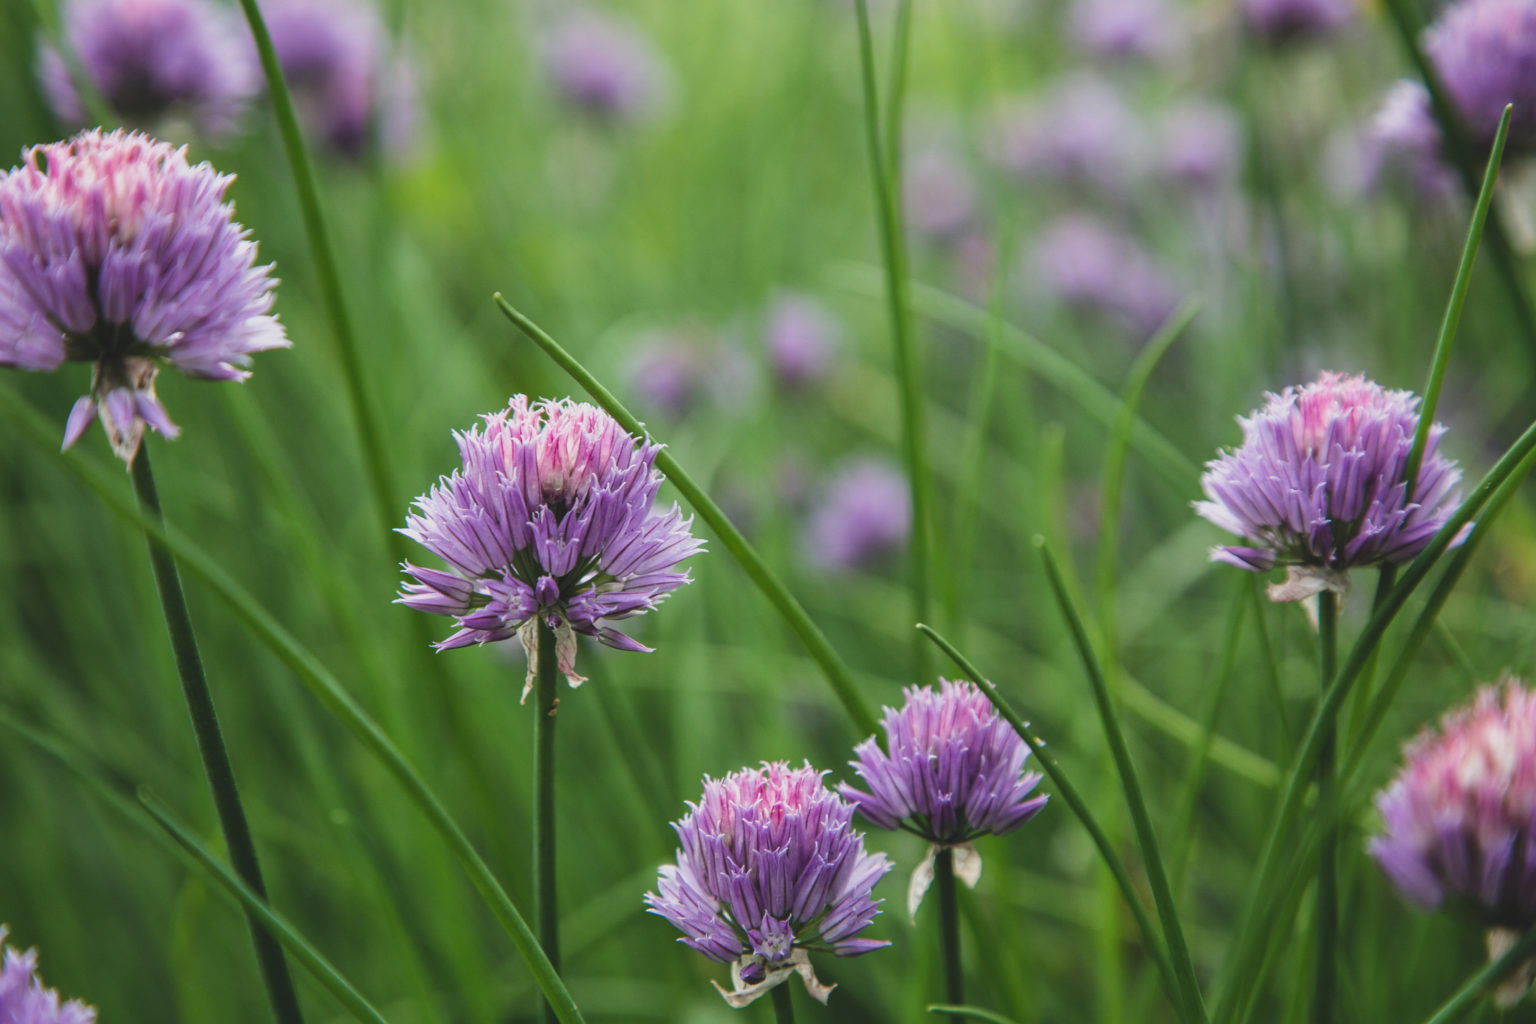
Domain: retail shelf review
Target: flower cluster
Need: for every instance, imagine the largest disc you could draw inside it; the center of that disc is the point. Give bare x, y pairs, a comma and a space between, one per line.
603, 66
24, 1000
952, 770
550, 519
769, 869
1460, 819
154, 62
1485, 54
1281, 21
802, 337
866, 513
114, 250
1320, 484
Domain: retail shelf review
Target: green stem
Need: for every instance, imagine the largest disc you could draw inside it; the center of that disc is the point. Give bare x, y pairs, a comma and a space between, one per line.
893, 244
1479, 983
1323, 994
783, 1006
545, 705
949, 926
210, 744
816, 643
365, 418
1075, 803
1191, 1007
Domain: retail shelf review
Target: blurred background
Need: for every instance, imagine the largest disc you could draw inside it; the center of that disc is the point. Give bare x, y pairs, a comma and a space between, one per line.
680, 194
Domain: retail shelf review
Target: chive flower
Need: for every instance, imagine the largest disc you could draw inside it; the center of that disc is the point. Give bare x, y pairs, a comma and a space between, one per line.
24, 1000
951, 771
1320, 485
1286, 21
154, 62
802, 338
116, 251
1459, 819
864, 514
549, 519
602, 66
1484, 52
769, 870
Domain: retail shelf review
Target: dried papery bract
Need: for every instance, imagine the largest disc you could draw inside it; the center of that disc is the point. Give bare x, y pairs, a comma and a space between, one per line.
550, 518
952, 770
1460, 819
1320, 485
24, 1000
116, 251
768, 871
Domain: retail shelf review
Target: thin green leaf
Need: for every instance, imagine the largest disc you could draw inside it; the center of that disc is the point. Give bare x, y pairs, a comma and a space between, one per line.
974, 1012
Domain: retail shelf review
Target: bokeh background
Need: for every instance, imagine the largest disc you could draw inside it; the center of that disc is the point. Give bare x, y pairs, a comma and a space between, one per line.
1067, 188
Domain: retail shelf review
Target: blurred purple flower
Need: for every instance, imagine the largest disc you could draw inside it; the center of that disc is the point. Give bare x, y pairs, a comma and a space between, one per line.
1082, 131
1200, 144
864, 514
24, 1000
1485, 54
115, 251
352, 93
1460, 817
603, 65
667, 370
1089, 265
154, 62
1403, 138
550, 518
1120, 29
1319, 484
769, 869
939, 196
803, 337
952, 770
1284, 21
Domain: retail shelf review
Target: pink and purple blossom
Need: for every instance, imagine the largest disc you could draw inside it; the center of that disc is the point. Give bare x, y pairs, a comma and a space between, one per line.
602, 65
769, 869
1319, 483
550, 519
803, 338
1459, 820
116, 251
1126, 29
938, 195
1284, 21
1090, 265
864, 514
1484, 52
24, 1000
154, 62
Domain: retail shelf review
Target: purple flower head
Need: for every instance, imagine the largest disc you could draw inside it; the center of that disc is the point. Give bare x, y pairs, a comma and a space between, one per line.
864, 514
668, 369
1121, 29
1320, 485
939, 196
768, 870
154, 62
1403, 139
549, 519
1460, 817
1201, 145
1089, 265
602, 65
24, 1000
803, 337
1285, 21
1082, 131
952, 770
115, 251
1485, 54
352, 94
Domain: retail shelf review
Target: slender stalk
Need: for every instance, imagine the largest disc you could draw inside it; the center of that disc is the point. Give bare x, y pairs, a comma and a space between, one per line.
783, 1006
1455, 1007
816, 643
973, 1012
1075, 803
41, 434
1327, 923
1191, 1007
893, 245
365, 418
545, 705
210, 744
949, 926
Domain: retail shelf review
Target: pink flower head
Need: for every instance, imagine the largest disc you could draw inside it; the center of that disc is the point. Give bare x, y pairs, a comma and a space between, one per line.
1460, 817
114, 250
550, 518
24, 1000
770, 869
1320, 480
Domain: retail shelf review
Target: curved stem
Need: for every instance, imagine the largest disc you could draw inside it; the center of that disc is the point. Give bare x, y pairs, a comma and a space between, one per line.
949, 926
210, 745
545, 705
783, 1006
1324, 975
